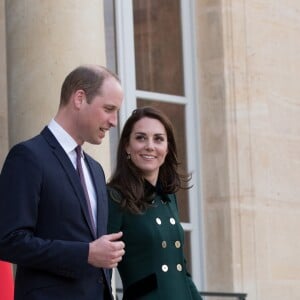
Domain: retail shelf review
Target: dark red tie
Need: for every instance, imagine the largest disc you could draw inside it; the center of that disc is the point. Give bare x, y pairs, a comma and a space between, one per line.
81, 176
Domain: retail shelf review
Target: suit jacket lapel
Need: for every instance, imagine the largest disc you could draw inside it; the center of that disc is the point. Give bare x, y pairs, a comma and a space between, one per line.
71, 173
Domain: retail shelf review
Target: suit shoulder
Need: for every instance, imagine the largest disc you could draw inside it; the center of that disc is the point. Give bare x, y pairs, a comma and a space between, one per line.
27, 147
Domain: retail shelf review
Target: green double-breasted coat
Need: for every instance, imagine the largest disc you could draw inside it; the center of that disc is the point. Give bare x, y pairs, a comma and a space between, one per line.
153, 267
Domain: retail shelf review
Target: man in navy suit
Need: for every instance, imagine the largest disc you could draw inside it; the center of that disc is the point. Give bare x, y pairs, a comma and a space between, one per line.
62, 250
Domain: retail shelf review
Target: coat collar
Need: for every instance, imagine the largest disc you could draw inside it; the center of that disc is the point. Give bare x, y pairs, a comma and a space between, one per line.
152, 191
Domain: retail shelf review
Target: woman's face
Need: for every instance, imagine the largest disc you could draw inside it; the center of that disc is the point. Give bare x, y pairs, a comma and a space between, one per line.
148, 147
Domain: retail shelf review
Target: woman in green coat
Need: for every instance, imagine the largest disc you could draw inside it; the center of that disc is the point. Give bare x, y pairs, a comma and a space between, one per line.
143, 206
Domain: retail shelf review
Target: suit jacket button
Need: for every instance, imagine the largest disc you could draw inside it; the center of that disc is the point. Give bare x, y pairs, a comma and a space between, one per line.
164, 244
101, 281
158, 221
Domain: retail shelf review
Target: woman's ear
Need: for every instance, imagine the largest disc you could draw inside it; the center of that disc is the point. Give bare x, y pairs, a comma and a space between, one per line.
127, 150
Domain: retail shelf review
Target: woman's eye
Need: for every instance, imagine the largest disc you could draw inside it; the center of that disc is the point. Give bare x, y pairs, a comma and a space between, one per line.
140, 137
160, 139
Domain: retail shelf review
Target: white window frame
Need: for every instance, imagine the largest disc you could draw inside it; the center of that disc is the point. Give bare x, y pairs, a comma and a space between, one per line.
126, 71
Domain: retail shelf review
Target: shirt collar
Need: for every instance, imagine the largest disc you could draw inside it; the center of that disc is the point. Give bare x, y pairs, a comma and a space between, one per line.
62, 136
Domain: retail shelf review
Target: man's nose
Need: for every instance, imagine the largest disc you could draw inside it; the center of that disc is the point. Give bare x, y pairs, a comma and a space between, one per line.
113, 121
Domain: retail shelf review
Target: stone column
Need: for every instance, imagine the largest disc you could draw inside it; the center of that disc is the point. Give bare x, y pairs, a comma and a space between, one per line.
46, 40
3, 88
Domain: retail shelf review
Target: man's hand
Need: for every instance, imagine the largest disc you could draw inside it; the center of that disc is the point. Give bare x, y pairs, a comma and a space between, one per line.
106, 251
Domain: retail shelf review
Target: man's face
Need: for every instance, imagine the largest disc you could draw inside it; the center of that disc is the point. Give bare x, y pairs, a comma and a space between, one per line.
98, 116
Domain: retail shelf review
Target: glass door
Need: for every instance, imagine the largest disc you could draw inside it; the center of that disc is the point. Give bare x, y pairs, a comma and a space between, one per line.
156, 64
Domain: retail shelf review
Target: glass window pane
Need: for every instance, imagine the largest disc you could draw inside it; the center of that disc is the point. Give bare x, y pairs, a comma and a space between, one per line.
158, 46
175, 113
110, 34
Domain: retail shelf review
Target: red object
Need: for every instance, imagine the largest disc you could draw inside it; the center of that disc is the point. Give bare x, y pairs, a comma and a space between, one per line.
6, 281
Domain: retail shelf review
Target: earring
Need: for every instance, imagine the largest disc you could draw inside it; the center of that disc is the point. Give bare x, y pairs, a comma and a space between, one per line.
128, 156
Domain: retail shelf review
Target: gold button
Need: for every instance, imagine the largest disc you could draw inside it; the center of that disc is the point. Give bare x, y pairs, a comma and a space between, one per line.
158, 221
164, 268
177, 244
179, 268
172, 221
164, 244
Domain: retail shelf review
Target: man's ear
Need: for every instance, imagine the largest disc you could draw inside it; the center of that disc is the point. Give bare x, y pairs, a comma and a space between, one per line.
78, 98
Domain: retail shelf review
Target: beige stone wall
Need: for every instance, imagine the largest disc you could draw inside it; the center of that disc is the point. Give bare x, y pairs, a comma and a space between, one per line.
248, 81
250, 110
3, 87
46, 40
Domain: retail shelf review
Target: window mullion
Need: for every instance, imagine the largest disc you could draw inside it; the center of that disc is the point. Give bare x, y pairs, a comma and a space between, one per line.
193, 147
160, 97
126, 56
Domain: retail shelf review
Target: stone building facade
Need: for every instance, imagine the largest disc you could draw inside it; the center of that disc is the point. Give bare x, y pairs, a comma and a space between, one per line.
247, 63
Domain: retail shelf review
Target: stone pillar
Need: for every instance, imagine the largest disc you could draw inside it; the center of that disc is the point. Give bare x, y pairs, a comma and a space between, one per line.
47, 39
249, 67
3, 88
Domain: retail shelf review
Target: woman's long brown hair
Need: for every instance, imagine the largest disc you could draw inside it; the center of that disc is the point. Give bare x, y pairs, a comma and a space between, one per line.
128, 180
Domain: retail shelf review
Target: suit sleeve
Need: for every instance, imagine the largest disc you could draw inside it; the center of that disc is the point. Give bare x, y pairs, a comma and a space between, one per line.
21, 180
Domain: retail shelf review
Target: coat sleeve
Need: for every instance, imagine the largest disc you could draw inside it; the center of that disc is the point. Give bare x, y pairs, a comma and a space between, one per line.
194, 292
115, 213
193, 289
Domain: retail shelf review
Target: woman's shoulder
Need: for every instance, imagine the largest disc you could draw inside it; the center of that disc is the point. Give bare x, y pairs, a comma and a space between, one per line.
114, 194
